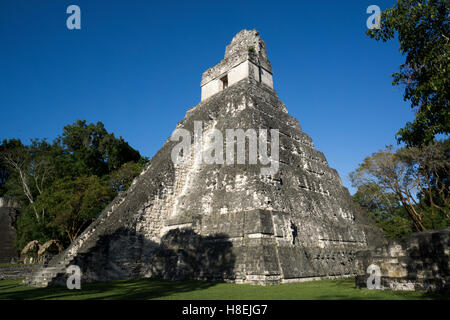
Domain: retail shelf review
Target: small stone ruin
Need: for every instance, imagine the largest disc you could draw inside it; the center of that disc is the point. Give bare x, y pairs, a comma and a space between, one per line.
419, 262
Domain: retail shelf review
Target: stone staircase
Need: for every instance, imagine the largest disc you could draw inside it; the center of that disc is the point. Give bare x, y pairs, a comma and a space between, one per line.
59, 264
45, 274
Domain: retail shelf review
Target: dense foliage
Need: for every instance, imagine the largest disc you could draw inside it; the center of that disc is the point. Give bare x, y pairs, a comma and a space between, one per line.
423, 31
64, 185
386, 210
406, 189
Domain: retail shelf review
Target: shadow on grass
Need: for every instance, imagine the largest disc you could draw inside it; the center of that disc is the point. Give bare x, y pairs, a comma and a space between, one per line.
143, 289
140, 289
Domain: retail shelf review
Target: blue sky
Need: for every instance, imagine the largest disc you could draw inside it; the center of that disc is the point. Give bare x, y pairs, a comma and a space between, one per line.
136, 66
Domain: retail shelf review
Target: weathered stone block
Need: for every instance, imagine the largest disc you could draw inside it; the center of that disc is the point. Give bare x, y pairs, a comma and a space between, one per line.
419, 262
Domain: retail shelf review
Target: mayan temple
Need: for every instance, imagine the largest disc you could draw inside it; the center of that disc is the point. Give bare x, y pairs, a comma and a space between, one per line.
227, 221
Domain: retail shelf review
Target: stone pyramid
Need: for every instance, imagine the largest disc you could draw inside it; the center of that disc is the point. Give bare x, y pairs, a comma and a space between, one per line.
227, 221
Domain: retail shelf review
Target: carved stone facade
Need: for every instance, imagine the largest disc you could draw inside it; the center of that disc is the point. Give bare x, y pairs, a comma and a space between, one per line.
228, 221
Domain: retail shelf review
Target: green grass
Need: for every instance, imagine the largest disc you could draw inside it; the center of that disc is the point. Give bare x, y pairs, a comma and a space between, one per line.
16, 265
141, 289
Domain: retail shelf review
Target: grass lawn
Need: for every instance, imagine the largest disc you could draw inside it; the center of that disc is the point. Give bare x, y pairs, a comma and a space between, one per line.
141, 289
15, 265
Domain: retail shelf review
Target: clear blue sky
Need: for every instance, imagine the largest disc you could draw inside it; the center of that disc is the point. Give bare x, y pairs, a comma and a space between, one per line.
136, 66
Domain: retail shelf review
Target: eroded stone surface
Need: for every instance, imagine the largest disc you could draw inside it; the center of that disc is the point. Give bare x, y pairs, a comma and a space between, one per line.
245, 57
419, 262
228, 222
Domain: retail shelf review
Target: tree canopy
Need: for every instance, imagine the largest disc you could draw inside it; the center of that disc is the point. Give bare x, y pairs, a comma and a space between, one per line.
64, 185
72, 203
423, 32
415, 178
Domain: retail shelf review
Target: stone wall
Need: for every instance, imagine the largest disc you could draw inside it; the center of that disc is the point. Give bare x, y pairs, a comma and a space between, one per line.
420, 262
8, 218
245, 57
19, 271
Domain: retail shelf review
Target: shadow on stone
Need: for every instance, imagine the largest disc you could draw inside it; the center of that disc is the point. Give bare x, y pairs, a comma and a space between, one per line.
419, 262
181, 255
428, 261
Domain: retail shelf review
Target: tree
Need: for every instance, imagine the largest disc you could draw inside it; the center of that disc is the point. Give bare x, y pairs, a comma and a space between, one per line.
63, 185
429, 168
28, 229
33, 167
5, 171
93, 150
423, 32
72, 204
122, 178
414, 176
385, 209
